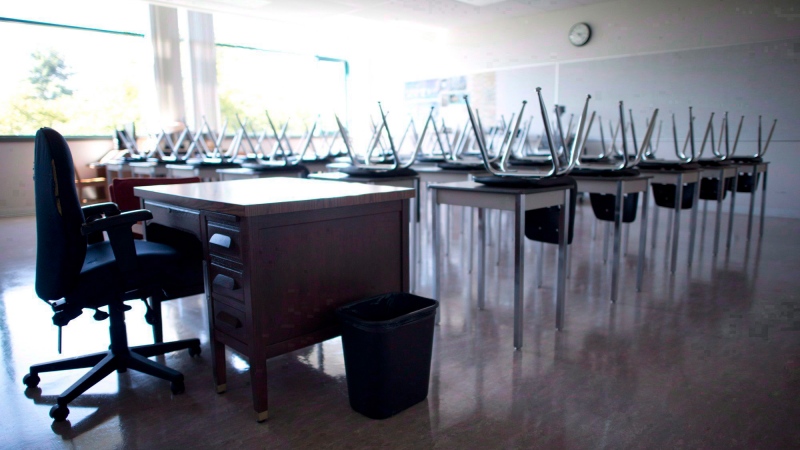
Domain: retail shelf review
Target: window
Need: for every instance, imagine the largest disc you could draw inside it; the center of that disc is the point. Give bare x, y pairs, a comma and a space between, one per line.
290, 87
79, 81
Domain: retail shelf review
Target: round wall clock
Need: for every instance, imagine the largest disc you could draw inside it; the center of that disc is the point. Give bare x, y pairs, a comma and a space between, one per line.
580, 33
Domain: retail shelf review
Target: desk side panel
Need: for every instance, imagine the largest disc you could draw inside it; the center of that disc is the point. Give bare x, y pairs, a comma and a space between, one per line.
305, 266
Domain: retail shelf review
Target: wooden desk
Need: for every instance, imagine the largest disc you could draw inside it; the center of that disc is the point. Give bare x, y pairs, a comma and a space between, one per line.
517, 200
408, 181
281, 254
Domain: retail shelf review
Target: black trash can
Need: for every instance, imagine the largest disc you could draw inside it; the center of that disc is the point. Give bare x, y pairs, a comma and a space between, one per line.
387, 343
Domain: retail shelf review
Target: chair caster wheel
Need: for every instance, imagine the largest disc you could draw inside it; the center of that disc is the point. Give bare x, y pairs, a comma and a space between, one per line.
177, 387
194, 351
59, 413
31, 380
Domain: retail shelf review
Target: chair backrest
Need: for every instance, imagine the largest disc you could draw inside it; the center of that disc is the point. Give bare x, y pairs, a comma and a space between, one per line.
121, 189
60, 246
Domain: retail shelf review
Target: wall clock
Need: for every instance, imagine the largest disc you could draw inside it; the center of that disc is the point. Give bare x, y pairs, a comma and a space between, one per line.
580, 33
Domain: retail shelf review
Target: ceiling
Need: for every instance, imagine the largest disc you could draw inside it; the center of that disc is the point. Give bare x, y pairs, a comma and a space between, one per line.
435, 13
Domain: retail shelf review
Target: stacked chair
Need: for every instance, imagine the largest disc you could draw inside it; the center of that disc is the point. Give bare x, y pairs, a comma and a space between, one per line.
749, 169
675, 186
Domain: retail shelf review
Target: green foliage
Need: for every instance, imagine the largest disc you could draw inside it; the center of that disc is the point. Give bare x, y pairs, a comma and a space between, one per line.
49, 75
45, 100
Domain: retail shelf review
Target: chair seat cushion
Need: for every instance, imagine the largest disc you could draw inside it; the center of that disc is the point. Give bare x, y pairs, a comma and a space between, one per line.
530, 162
218, 165
430, 159
453, 165
715, 162
632, 172
526, 183
746, 159
366, 172
674, 166
160, 267
258, 167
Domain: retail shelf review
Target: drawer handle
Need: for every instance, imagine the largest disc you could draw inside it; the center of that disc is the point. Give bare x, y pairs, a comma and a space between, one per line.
224, 282
229, 320
220, 240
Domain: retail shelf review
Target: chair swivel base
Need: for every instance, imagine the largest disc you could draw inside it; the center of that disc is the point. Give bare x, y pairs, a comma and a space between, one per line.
104, 363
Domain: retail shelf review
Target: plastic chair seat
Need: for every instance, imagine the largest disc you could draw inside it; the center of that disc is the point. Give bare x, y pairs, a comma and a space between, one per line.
365, 172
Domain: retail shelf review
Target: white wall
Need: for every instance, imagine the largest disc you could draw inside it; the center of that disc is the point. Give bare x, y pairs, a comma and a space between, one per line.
16, 172
735, 55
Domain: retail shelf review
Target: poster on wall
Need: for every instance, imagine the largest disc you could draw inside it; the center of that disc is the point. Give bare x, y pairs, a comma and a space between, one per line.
446, 95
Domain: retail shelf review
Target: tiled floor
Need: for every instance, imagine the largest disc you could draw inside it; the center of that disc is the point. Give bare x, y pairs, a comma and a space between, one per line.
708, 358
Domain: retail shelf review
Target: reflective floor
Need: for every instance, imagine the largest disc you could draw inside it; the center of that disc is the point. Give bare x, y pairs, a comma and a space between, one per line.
707, 358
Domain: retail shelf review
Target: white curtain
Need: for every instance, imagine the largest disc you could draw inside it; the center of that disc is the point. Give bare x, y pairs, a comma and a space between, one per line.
203, 57
167, 65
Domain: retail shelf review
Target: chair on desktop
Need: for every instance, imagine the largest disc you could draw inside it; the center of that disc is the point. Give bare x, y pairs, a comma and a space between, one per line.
393, 166
605, 166
72, 275
190, 281
541, 224
750, 169
675, 186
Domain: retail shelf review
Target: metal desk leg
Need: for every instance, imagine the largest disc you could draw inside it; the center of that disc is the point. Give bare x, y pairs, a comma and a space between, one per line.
563, 242
412, 260
642, 240
655, 221
693, 230
670, 228
732, 209
519, 268
720, 195
540, 269
471, 226
481, 258
752, 201
448, 213
763, 203
437, 295
617, 243
676, 226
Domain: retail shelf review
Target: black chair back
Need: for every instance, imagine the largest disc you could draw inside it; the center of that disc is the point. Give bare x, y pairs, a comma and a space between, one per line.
60, 246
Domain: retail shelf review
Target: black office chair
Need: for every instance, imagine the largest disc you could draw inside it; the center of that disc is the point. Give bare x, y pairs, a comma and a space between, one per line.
185, 284
72, 275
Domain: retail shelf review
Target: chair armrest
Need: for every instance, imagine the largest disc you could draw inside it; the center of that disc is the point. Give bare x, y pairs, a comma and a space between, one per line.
126, 219
106, 209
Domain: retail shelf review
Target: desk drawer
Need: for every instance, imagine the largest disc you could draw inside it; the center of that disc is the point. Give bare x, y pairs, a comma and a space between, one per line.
230, 321
175, 217
226, 281
225, 240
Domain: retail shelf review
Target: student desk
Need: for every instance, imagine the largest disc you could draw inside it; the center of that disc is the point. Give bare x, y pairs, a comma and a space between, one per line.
281, 254
721, 173
678, 178
517, 200
619, 186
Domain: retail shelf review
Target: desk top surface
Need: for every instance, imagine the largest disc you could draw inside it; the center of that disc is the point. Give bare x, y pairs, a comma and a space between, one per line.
261, 196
